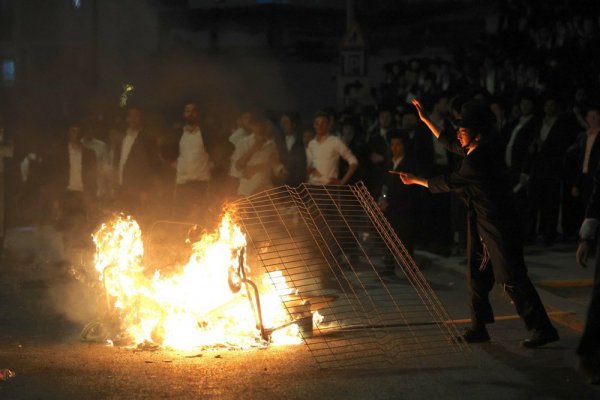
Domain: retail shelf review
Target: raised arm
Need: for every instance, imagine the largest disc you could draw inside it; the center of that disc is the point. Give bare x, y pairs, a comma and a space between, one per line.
434, 129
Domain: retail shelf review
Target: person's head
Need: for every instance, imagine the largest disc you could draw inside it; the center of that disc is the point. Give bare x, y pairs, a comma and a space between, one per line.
410, 120
551, 107
307, 135
526, 106
592, 117
385, 118
245, 120
322, 123
288, 122
261, 127
75, 132
134, 118
476, 124
397, 145
498, 107
191, 114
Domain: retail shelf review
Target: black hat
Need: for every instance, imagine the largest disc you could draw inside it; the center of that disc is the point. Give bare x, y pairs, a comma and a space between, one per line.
477, 117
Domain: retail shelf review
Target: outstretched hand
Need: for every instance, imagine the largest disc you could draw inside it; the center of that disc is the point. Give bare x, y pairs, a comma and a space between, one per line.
419, 108
405, 177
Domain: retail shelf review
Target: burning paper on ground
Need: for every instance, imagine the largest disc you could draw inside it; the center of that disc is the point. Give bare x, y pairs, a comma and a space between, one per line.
212, 300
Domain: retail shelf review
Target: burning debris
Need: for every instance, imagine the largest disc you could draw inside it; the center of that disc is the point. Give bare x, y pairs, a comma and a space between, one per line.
215, 300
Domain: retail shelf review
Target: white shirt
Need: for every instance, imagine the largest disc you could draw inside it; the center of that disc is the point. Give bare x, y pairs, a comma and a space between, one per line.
289, 141
266, 154
126, 145
396, 162
547, 125
513, 137
324, 156
193, 163
589, 143
75, 169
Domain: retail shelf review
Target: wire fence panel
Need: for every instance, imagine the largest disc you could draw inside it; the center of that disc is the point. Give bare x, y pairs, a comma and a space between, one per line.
334, 247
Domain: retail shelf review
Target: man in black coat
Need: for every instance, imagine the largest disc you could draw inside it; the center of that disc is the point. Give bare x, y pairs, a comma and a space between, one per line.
546, 169
495, 249
291, 149
135, 160
398, 201
589, 345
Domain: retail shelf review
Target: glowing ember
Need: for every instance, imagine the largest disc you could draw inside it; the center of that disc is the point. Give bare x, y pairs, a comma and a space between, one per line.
196, 306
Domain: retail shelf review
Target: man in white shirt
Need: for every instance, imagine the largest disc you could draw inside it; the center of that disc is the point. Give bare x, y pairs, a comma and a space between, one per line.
323, 155
242, 131
257, 159
193, 165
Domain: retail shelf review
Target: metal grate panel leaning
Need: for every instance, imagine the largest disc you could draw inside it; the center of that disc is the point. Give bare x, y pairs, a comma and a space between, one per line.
332, 244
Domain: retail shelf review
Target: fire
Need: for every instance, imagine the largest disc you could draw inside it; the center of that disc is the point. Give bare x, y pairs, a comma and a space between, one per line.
196, 306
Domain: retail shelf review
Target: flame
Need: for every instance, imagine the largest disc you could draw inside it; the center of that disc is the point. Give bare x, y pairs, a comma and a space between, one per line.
194, 307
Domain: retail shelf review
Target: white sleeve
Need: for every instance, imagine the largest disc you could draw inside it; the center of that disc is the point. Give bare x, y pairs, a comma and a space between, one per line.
310, 157
345, 152
589, 228
240, 149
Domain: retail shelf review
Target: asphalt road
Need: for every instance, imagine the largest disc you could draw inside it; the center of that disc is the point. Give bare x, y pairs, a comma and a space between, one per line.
42, 347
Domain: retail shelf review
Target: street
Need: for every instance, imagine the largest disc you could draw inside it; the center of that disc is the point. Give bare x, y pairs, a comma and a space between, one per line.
50, 361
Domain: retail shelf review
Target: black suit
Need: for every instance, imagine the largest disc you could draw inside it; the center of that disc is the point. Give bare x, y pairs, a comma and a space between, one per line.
138, 171
401, 200
61, 161
494, 231
519, 152
294, 159
546, 171
375, 171
73, 203
585, 182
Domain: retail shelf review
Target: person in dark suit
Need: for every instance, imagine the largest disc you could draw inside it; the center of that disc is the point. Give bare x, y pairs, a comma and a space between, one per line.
546, 169
74, 182
378, 150
588, 157
516, 156
588, 349
397, 201
135, 162
291, 149
495, 249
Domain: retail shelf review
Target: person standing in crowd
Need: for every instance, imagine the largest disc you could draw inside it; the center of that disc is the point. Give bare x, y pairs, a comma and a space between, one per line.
516, 156
291, 149
75, 182
494, 243
257, 160
135, 160
397, 201
546, 169
588, 150
193, 166
324, 153
588, 349
242, 131
378, 151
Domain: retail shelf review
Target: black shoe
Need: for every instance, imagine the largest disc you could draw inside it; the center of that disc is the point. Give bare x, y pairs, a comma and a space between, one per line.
475, 335
541, 337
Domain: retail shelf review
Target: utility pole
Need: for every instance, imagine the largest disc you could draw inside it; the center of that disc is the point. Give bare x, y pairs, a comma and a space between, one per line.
350, 16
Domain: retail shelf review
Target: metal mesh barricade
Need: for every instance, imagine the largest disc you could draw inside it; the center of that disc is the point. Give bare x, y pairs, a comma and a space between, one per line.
331, 244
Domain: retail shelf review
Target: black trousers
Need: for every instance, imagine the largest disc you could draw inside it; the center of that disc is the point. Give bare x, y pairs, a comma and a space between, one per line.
495, 258
589, 344
545, 206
